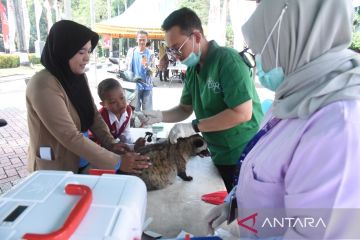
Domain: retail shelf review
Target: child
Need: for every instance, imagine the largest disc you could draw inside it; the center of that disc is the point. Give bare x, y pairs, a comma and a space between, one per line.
115, 111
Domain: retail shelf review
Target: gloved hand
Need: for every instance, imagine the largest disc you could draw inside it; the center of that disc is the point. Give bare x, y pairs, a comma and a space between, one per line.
181, 130
150, 117
217, 216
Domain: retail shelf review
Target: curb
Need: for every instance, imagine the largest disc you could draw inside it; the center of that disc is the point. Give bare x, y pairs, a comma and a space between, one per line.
15, 78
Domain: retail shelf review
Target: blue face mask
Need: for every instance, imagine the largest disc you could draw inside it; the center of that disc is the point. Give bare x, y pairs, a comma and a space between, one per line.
271, 79
193, 58
274, 77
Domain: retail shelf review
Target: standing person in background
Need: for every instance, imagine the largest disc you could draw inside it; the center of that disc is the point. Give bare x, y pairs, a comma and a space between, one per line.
163, 63
218, 88
304, 163
60, 108
140, 61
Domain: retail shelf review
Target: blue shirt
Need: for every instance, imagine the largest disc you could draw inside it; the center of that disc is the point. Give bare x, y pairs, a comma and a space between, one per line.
141, 62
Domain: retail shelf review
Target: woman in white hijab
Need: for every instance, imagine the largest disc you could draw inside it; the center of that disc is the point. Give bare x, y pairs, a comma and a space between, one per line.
300, 176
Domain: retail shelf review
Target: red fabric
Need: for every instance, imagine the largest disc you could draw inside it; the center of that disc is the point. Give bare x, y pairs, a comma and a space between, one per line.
215, 197
4, 24
112, 127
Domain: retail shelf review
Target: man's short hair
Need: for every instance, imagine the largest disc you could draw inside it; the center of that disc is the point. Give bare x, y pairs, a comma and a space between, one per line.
142, 32
107, 85
185, 18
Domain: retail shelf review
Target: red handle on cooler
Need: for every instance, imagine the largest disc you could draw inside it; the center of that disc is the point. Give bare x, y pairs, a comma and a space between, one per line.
73, 220
99, 172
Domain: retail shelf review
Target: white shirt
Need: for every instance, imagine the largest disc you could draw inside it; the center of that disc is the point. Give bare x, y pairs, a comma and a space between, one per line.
119, 122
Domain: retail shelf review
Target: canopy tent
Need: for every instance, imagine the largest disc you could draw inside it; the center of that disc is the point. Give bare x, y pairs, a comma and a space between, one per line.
142, 14
356, 3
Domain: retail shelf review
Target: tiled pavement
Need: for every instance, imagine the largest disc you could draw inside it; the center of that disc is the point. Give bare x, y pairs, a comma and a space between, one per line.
14, 140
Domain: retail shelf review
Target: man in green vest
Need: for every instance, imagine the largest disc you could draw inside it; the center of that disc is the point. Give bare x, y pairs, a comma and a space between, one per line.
218, 88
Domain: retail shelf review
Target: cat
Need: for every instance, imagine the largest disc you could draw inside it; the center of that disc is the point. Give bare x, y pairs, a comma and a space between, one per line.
169, 160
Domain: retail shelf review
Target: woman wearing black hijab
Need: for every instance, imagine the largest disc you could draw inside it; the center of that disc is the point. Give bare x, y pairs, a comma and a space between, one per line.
60, 107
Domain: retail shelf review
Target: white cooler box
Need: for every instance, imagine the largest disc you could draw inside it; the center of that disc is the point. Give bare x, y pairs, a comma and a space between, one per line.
40, 205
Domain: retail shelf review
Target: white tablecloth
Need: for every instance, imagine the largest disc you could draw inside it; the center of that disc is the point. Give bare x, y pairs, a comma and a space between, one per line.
179, 206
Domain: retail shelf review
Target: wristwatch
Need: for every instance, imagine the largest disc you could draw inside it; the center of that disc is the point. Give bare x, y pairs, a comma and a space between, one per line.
195, 124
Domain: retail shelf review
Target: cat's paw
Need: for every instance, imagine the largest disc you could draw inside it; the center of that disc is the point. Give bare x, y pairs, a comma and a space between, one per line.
188, 178
185, 177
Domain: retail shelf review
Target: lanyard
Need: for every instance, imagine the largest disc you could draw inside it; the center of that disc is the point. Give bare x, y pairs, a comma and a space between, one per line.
268, 126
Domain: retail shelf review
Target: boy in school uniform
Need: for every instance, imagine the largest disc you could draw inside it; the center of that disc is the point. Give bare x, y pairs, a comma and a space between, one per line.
115, 110
116, 113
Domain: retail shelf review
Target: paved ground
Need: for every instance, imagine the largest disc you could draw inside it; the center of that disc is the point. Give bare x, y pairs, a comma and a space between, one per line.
14, 137
13, 147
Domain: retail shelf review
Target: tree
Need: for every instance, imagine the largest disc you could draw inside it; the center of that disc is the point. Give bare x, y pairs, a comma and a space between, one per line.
20, 25
201, 7
43, 25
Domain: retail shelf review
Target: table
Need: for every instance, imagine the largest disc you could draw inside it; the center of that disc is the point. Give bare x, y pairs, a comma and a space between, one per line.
179, 206
177, 71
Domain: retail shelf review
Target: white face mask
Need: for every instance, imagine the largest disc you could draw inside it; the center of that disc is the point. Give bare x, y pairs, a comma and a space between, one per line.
273, 78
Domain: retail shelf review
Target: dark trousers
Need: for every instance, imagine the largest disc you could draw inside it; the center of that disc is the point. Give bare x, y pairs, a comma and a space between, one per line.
227, 173
166, 75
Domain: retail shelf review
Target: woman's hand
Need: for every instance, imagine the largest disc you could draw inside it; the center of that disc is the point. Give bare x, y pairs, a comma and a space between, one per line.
134, 163
120, 148
216, 216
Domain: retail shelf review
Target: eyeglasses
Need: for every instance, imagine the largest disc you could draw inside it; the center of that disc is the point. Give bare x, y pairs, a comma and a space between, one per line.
249, 58
173, 52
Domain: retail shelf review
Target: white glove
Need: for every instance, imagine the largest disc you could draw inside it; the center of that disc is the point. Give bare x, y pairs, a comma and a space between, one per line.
217, 216
181, 130
151, 117
140, 116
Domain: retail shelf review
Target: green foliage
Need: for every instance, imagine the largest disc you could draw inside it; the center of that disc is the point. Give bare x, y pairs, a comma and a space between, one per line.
356, 22
355, 43
229, 36
34, 59
100, 50
118, 6
81, 12
9, 61
201, 7
43, 25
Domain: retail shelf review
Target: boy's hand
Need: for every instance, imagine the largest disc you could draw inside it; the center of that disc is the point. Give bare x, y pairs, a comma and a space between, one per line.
120, 148
132, 162
140, 142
